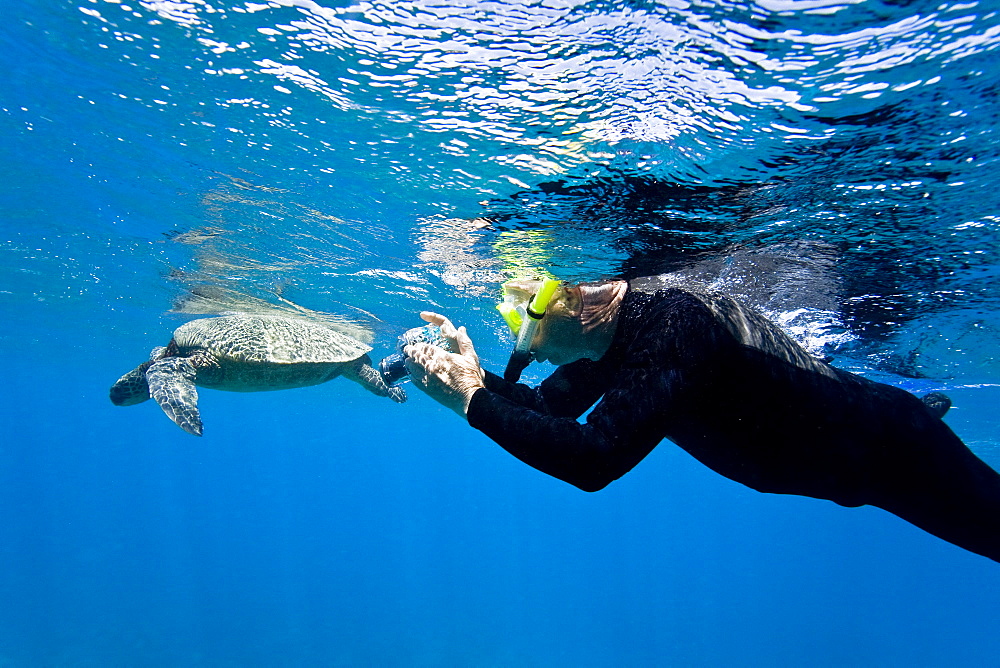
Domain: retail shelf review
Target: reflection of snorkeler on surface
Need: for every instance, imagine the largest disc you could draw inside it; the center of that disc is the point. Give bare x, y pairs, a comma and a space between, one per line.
723, 383
641, 225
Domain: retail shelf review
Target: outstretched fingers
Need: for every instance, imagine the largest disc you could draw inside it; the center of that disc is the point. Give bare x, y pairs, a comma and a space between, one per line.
447, 328
464, 344
459, 338
436, 319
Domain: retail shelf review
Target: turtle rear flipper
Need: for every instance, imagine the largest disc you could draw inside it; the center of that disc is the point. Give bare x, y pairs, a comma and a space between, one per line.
171, 384
131, 388
363, 373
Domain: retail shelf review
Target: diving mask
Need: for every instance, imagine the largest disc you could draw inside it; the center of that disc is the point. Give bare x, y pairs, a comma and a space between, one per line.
522, 316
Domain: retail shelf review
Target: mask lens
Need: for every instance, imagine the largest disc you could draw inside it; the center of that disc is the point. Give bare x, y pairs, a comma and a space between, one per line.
513, 311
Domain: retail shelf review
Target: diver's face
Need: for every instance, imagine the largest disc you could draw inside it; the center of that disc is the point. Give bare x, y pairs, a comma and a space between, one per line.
559, 338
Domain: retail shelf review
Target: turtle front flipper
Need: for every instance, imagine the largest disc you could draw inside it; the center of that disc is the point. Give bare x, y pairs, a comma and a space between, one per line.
362, 372
171, 384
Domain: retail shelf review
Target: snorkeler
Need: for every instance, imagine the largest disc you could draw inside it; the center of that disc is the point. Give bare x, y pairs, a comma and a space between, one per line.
723, 383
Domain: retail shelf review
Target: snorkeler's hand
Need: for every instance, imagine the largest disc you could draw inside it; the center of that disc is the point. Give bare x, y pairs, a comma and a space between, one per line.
458, 338
449, 378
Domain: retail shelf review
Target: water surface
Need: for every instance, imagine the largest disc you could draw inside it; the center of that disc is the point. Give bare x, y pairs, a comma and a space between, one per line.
375, 159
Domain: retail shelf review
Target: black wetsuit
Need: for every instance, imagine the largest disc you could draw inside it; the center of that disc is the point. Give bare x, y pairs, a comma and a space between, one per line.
730, 388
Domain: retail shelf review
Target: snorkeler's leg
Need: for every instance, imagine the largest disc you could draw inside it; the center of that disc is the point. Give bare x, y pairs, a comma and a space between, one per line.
949, 492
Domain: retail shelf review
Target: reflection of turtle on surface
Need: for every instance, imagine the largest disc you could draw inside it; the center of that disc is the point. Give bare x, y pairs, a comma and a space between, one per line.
245, 353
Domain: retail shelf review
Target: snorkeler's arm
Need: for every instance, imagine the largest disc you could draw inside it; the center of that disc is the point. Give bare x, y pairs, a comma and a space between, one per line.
638, 382
568, 392
621, 430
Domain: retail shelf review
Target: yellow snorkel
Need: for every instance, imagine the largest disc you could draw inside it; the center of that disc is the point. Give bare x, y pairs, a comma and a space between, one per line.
523, 321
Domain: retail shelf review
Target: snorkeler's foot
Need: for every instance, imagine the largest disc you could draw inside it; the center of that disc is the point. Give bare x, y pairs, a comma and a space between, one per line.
937, 403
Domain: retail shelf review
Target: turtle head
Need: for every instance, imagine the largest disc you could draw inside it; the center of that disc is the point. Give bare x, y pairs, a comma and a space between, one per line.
131, 388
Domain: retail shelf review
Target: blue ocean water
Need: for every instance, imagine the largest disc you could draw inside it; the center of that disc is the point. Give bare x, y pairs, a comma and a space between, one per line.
376, 159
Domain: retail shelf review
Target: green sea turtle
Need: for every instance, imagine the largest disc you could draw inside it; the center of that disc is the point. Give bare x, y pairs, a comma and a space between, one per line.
245, 353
